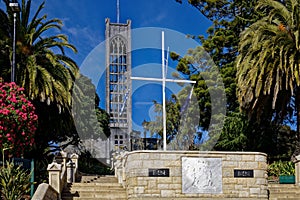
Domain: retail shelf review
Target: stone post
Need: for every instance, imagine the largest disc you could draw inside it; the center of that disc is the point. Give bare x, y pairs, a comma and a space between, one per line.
54, 170
74, 158
64, 156
70, 172
297, 170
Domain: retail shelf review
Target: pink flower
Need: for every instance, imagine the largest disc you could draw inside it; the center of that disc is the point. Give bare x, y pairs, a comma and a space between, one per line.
17, 119
13, 99
23, 107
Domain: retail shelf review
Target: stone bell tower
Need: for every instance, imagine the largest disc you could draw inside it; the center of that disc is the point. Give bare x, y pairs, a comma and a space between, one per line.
118, 83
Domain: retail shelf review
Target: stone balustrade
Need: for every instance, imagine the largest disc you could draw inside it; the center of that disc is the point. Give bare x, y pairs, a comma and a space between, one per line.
119, 166
61, 171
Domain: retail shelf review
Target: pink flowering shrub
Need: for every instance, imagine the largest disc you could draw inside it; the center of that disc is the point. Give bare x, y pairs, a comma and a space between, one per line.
18, 121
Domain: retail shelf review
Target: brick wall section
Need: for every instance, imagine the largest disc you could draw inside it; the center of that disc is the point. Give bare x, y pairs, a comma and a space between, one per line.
133, 169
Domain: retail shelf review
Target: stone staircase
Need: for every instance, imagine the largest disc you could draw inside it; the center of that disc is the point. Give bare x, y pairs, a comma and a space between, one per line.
96, 188
108, 188
284, 192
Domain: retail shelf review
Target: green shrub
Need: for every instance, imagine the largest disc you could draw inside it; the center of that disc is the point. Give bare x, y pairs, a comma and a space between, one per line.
14, 182
279, 168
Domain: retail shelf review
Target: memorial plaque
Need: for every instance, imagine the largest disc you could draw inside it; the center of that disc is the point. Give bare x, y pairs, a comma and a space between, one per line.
243, 173
201, 175
159, 172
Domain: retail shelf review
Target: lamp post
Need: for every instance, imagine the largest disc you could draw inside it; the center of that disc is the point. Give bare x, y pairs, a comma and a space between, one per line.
3, 158
15, 9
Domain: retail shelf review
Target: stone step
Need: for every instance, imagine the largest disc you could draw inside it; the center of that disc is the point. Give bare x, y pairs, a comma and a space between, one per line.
99, 179
95, 188
82, 190
96, 185
284, 192
96, 194
81, 198
274, 185
294, 198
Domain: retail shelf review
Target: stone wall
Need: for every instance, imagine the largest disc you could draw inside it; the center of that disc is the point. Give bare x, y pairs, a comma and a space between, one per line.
193, 175
45, 192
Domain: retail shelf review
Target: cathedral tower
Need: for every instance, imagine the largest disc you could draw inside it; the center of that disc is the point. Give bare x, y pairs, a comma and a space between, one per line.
118, 83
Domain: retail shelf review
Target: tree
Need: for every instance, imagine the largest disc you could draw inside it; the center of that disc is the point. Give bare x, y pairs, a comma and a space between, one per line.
268, 64
172, 119
229, 19
181, 123
90, 120
18, 121
208, 109
43, 69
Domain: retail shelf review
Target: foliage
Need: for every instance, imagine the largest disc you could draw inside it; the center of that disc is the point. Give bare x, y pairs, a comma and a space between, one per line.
182, 120
18, 121
172, 111
235, 133
43, 69
268, 64
239, 134
14, 182
89, 119
279, 168
209, 91
229, 19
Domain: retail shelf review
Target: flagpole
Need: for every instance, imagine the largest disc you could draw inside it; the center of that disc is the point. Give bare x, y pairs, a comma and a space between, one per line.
164, 91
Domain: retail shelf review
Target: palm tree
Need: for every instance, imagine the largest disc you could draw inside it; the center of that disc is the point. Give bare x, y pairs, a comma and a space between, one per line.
268, 63
45, 74
43, 69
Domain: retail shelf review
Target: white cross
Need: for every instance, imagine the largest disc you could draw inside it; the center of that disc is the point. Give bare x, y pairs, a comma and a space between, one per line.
163, 80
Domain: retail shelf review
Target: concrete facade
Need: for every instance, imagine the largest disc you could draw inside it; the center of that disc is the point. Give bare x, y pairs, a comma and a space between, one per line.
118, 82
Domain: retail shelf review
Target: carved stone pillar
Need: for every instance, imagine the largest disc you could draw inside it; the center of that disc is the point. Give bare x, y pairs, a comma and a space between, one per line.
70, 172
54, 170
297, 170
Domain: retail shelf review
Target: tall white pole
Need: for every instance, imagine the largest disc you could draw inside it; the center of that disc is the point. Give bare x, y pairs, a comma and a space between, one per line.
164, 91
163, 80
118, 11
13, 68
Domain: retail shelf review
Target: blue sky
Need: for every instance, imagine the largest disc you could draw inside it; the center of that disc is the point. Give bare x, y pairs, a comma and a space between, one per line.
84, 21
84, 24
